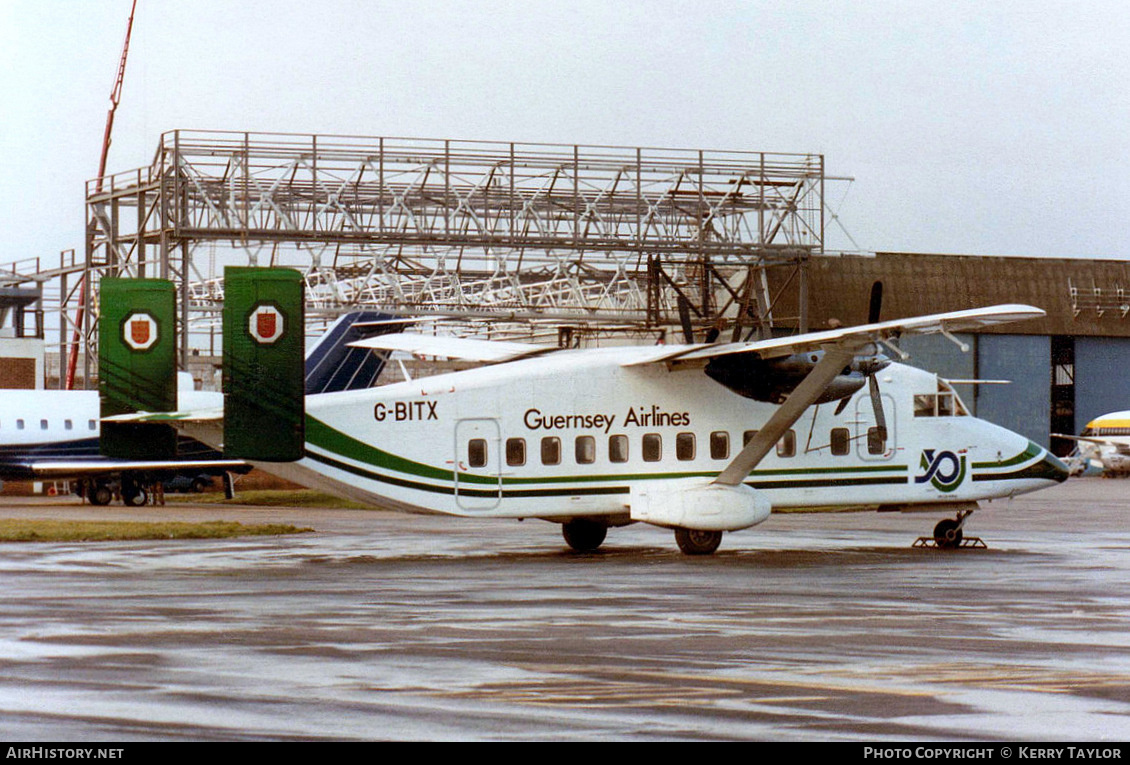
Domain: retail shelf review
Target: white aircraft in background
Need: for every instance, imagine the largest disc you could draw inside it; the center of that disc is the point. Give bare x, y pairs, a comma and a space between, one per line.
1104, 444
699, 438
54, 435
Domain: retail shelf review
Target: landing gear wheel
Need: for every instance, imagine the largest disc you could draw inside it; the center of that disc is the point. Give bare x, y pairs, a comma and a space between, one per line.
100, 495
584, 535
138, 498
696, 542
947, 534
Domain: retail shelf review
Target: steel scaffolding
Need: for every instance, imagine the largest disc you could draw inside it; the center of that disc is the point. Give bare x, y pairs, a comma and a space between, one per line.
589, 236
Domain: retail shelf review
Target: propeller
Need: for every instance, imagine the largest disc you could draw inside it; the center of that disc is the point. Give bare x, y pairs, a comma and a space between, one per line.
871, 367
685, 320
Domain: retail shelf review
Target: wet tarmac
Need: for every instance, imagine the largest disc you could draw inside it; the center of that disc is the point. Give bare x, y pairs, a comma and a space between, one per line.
388, 627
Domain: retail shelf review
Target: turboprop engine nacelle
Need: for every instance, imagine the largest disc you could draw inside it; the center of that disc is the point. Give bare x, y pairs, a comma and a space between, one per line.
772, 380
697, 503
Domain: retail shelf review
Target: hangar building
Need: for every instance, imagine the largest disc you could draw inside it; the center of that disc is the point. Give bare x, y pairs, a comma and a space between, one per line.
1065, 369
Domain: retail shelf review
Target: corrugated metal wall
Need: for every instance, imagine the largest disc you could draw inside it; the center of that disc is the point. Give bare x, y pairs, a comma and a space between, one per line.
1102, 377
1024, 405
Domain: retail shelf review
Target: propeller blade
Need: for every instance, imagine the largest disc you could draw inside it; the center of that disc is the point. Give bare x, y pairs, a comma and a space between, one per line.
876, 305
685, 320
877, 405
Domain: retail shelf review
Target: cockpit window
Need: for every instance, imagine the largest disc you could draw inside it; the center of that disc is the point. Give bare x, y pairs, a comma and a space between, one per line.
943, 403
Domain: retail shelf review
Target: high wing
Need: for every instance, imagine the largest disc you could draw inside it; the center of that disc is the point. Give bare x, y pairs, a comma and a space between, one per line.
840, 348
849, 337
1119, 447
74, 467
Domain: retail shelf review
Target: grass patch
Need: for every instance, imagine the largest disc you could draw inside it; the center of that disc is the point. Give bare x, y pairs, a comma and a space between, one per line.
272, 498
21, 530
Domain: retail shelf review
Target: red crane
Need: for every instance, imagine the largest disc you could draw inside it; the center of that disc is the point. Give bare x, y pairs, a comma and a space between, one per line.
115, 98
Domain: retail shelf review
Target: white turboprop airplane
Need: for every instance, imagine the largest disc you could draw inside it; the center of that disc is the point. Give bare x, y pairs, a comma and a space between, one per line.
699, 438
1105, 443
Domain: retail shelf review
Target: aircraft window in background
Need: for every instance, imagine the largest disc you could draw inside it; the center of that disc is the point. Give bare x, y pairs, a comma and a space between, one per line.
19, 424
748, 436
477, 452
92, 424
551, 450
719, 445
786, 447
68, 424
684, 446
618, 448
841, 441
43, 424
584, 450
515, 451
652, 447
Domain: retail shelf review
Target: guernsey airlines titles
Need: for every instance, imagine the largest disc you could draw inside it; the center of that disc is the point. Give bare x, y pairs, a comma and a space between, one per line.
654, 417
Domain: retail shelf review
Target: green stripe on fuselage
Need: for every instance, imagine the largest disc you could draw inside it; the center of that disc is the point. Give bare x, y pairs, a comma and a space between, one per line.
335, 442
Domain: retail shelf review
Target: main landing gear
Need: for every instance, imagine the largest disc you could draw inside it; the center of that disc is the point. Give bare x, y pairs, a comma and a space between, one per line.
586, 535
948, 534
696, 542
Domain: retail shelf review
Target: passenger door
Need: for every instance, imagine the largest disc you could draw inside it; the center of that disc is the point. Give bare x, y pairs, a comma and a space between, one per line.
478, 464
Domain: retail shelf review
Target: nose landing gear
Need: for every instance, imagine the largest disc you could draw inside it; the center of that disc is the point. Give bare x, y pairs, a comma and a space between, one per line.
948, 535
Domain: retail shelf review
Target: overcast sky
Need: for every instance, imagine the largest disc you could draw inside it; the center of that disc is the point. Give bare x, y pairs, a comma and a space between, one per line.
996, 128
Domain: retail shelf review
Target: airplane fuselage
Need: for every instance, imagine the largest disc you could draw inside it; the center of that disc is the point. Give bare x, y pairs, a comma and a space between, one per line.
568, 435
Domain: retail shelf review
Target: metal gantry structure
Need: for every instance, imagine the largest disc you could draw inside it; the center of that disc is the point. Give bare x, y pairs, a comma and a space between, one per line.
517, 234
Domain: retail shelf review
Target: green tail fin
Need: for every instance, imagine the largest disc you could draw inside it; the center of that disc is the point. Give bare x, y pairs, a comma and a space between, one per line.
264, 356
137, 349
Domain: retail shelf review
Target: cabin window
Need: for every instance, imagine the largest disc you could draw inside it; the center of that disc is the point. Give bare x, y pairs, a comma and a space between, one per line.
876, 440
719, 445
924, 404
786, 447
652, 447
618, 448
747, 436
68, 424
43, 424
477, 452
841, 441
684, 446
515, 451
19, 424
944, 403
551, 450
584, 450
92, 424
